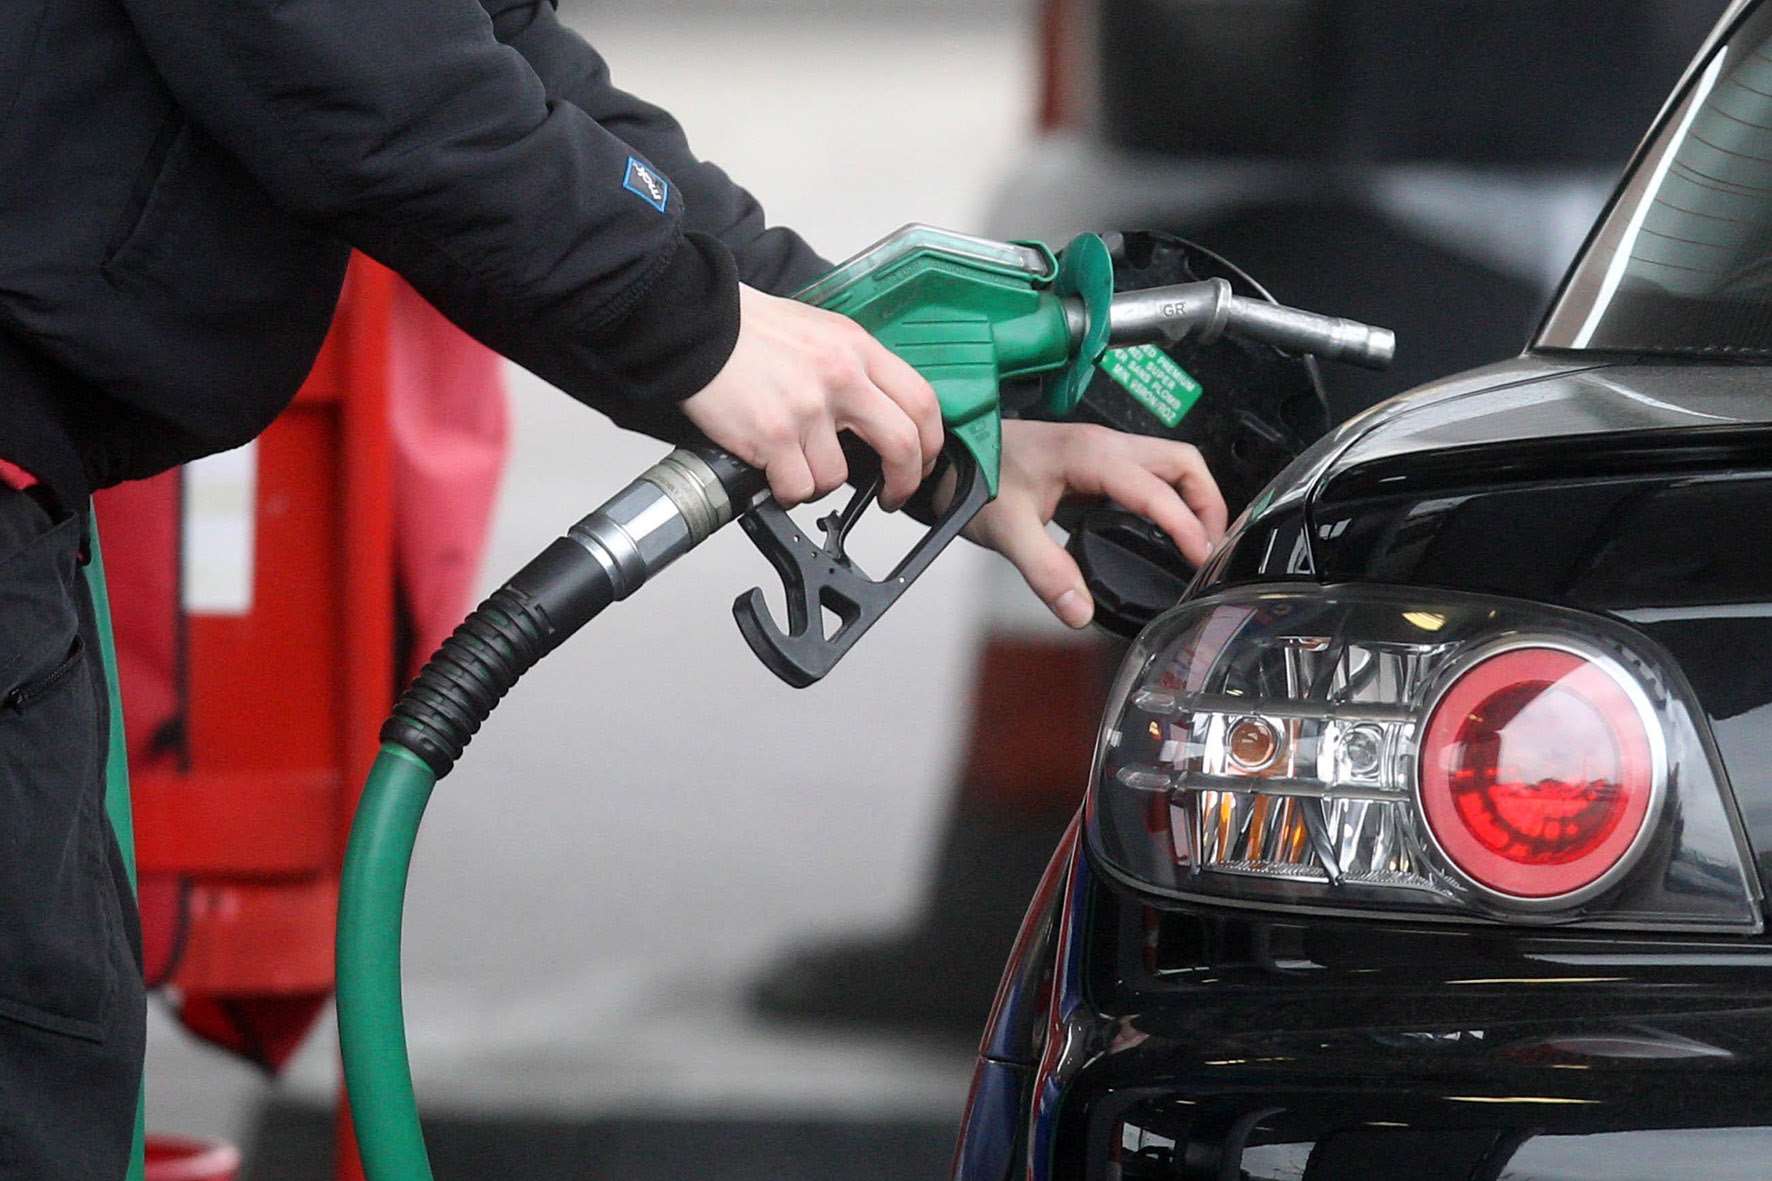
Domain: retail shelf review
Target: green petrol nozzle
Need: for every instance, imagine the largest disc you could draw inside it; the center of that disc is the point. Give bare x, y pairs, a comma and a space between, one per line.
973, 315
970, 314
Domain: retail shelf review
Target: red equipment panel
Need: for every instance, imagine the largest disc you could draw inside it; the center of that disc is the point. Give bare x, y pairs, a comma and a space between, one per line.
241, 819
282, 702
251, 726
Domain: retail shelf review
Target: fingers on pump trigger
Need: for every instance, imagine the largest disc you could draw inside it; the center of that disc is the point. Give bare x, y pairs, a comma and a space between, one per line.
914, 395
790, 477
1142, 492
1050, 572
824, 457
884, 426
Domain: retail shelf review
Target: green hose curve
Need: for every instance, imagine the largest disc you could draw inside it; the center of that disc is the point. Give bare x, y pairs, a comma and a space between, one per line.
371, 1023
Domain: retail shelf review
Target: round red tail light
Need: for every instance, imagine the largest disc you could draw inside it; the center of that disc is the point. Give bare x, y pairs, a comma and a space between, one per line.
1539, 770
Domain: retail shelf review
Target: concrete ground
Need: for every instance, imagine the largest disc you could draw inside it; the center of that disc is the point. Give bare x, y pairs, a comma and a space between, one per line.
651, 815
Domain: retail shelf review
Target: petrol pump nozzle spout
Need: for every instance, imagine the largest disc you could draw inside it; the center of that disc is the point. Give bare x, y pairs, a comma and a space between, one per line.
1205, 311
1332, 338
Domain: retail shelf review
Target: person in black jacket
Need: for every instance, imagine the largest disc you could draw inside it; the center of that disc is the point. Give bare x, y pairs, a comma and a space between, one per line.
180, 184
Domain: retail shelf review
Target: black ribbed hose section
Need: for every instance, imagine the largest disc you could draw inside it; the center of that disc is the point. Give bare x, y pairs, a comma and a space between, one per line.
559, 592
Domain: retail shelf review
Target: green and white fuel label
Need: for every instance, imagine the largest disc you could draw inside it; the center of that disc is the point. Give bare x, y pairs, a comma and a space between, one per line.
1152, 378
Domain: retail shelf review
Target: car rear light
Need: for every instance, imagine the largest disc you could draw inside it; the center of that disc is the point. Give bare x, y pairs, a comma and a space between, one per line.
1416, 753
1540, 769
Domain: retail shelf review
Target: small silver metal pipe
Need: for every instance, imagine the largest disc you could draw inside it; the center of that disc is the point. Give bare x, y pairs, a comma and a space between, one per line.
1166, 315
1205, 311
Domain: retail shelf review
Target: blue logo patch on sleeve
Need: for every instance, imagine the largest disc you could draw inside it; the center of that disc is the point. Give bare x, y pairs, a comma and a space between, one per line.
646, 184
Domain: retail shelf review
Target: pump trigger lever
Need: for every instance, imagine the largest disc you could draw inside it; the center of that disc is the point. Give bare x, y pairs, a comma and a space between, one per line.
818, 578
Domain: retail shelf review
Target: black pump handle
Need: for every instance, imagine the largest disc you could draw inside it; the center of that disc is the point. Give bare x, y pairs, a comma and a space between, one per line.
818, 577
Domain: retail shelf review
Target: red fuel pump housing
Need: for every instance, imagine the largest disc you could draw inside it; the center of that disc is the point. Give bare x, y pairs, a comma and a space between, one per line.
251, 730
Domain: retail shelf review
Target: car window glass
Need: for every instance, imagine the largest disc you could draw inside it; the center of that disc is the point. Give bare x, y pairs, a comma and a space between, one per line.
1683, 262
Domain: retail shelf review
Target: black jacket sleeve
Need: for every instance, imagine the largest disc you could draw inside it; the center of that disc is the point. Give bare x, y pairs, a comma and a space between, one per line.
405, 128
771, 259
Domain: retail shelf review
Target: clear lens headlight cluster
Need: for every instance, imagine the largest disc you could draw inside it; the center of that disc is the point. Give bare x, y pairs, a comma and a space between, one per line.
1415, 753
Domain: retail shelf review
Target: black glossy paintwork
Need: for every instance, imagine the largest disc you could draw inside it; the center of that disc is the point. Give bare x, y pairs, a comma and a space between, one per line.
1328, 1048
1268, 541
992, 1131
1410, 1052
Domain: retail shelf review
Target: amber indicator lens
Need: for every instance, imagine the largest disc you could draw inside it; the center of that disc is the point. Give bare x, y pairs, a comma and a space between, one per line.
1254, 743
1537, 772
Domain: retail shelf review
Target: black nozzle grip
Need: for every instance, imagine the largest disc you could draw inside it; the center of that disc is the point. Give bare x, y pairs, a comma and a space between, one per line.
817, 578
504, 637
743, 483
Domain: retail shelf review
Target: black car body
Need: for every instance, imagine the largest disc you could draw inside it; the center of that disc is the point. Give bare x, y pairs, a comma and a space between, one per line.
1429, 833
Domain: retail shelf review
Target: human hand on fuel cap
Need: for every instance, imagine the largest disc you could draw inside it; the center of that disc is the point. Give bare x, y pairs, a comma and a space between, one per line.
1047, 462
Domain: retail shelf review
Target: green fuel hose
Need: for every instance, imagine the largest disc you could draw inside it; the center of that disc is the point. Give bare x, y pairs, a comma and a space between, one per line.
371, 1021
117, 802
607, 556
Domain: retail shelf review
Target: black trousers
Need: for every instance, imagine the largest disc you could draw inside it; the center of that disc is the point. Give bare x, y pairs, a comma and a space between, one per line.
72, 1011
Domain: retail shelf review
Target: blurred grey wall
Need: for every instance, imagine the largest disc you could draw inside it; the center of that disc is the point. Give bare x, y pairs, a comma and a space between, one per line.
875, 9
